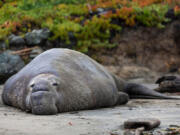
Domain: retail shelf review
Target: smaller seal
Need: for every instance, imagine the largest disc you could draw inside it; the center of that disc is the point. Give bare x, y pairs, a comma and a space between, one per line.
169, 84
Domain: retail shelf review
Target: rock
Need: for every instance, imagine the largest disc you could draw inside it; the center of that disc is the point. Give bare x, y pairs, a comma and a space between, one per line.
62, 43
3, 45
16, 40
147, 123
138, 131
37, 37
129, 132
9, 65
35, 52
48, 45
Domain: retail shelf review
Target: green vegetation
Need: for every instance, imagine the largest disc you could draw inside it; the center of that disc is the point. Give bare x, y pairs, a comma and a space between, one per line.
153, 15
32, 4
91, 28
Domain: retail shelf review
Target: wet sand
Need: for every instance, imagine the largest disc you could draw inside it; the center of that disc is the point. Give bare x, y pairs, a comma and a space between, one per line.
105, 121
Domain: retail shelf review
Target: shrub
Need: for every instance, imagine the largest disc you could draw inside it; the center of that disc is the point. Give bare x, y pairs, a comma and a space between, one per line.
31, 4
153, 15
90, 22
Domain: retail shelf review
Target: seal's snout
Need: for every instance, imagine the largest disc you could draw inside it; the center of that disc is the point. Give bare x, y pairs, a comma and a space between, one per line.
39, 87
43, 103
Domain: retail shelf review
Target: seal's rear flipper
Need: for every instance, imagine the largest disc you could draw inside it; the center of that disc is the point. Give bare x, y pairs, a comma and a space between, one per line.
140, 91
169, 84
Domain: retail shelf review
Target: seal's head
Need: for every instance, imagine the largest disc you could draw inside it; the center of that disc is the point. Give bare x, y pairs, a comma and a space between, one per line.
42, 94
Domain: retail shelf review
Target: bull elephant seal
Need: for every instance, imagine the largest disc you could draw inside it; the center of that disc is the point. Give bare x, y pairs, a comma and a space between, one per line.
61, 80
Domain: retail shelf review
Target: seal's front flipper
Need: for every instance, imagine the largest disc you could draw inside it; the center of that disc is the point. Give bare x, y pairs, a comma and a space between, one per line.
169, 84
122, 98
140, 91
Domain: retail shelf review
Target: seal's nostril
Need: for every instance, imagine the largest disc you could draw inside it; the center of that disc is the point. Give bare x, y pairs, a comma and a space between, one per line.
55, 84
32, 85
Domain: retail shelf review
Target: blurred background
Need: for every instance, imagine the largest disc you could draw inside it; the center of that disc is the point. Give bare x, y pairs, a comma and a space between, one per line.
135, 39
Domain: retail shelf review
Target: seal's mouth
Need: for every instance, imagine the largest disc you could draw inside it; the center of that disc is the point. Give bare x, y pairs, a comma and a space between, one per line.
43, 103
40, 90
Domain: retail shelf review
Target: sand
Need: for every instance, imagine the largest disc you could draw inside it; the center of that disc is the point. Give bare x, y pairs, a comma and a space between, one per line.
105, 121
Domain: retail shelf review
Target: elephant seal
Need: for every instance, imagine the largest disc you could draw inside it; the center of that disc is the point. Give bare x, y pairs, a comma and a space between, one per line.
61, 80
169, 83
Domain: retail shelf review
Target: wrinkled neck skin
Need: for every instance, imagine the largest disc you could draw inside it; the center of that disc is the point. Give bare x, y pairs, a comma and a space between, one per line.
43, 96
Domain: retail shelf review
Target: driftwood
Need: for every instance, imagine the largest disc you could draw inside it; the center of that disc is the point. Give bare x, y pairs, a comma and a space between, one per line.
25, 51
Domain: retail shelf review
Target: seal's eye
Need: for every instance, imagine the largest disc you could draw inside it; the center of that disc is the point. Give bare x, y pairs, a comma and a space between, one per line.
55, 84
32, 85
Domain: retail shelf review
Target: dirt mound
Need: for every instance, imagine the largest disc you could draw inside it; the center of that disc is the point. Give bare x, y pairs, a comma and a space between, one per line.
156, 49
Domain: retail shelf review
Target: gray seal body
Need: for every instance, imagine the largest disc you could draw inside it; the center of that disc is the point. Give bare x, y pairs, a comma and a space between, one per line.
61, 80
